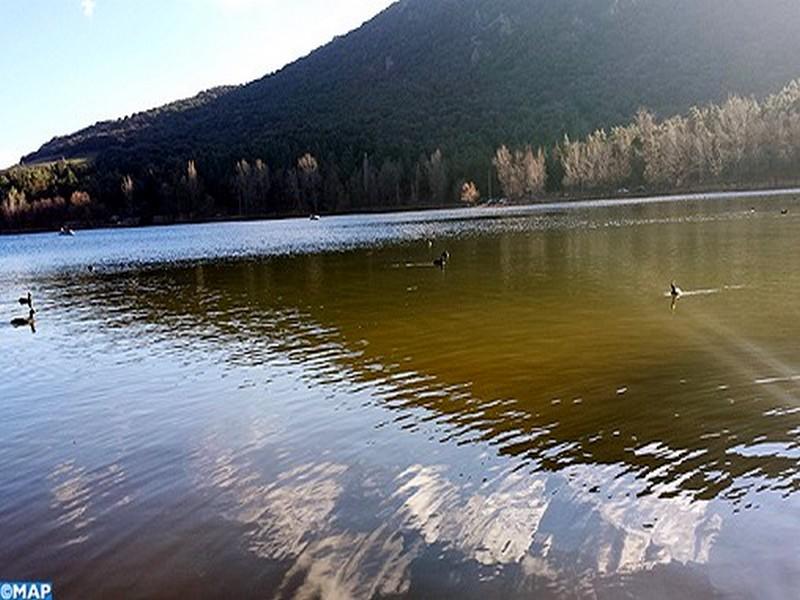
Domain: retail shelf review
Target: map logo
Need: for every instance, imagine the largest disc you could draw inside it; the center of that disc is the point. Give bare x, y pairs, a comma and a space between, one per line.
26, 590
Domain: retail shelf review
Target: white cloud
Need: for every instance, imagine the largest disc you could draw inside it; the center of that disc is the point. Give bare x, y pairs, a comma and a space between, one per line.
88, 7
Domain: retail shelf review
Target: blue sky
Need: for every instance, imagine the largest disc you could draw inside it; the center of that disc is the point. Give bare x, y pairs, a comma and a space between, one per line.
66, 64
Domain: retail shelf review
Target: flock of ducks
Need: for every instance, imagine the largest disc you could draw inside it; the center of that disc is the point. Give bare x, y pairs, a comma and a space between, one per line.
28, 321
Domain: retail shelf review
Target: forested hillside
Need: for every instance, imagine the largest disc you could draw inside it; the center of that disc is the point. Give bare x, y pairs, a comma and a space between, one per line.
409, 107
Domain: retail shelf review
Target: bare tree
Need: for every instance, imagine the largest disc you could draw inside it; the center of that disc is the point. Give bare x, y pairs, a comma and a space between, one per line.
507, 173
127, 188
262, 184
244, 186
309, 179
437, 177
193, 186
469, 193
522, 173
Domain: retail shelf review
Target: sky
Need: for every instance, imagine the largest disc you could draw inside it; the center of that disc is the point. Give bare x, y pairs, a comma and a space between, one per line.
66, 64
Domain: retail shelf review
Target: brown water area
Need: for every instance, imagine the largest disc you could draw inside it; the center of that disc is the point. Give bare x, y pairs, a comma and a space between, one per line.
313, 409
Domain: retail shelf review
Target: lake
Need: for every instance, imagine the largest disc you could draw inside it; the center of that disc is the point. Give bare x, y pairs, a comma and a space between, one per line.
312, 409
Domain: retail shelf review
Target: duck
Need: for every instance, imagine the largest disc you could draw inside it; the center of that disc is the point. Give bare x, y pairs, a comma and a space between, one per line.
441, 262
26, 301
675, 291
785, 211
23, 322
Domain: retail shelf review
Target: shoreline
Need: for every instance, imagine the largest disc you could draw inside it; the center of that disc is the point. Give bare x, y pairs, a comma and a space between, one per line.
545, 203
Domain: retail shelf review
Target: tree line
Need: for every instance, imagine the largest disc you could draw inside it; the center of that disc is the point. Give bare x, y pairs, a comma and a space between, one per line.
741, 142
44, 195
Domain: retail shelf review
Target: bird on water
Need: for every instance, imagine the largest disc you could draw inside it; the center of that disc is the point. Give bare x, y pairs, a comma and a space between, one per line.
22, 321
26, 301
441, 262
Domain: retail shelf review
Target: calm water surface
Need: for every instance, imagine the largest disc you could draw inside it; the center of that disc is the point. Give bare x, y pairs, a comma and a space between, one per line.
311, 409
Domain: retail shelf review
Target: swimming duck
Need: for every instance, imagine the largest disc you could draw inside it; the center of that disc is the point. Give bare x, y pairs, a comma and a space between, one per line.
441, 262
23, 322
675, 290
785, 211
26, 301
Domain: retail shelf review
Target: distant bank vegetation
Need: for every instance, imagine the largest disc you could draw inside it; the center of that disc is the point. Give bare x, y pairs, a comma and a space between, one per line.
742, 142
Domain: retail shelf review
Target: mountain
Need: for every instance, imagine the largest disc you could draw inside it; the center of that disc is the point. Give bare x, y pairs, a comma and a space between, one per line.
463, 76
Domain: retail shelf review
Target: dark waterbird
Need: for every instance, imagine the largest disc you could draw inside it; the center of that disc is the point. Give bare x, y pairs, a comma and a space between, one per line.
26, 301
441, 262
676, 293
22, 321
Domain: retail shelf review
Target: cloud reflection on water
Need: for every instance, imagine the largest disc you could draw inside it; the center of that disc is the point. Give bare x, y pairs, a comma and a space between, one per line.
81, 497
549, 526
